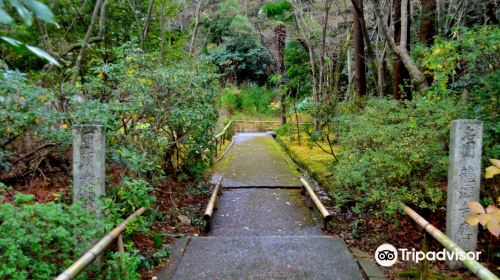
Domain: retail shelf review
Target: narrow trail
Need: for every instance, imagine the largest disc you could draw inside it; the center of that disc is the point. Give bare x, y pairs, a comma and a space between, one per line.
262, 228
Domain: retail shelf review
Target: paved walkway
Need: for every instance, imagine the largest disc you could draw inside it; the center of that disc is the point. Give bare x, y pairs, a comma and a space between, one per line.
256, 160
262, 228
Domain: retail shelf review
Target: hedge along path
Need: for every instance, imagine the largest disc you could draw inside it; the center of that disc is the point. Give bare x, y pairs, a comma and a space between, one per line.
262, 228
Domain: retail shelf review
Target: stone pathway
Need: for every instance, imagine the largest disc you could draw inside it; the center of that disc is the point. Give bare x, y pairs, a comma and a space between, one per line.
256, 160
262, 228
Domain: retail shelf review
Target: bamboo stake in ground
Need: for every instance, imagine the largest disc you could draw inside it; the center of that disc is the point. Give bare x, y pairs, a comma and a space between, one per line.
207, 217
321, 208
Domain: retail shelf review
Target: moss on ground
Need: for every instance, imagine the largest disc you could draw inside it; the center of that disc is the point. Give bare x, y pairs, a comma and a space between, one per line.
311, 158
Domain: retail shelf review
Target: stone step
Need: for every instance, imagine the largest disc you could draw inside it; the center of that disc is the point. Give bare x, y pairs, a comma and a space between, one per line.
263, 212
266, 257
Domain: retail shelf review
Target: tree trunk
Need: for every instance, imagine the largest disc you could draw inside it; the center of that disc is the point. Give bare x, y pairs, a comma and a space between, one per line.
196, 25
428, 22
344, 54
322, 49
428, 27
402, 53
400, 73
137, 23
359, 52
148, 21
302, 26
78, 64
162, 31
280, 33
358, 6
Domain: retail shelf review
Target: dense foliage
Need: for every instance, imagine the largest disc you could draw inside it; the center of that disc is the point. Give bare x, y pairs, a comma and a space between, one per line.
159, 109
398, 156
467, 65
240, 59
37, 241
250, 99
298, 70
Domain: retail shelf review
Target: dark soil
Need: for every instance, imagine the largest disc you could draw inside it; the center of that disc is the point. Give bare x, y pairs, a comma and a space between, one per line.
174, 198
402, 232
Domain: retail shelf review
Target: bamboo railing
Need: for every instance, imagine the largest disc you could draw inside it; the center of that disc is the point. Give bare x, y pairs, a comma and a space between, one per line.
327, 217
474, 266
257, 126
212, 204
99, 248
220, 139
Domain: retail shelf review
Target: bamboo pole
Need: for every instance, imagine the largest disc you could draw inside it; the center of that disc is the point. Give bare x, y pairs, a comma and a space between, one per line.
121, 247
91, 255
476, 267
321, 208
207, 217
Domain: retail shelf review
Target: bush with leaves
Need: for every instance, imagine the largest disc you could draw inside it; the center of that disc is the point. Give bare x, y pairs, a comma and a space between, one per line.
396, 156
29, 118
241, 58
249, 98
123, 200
37, 241
122, 266
466, 65
298, 69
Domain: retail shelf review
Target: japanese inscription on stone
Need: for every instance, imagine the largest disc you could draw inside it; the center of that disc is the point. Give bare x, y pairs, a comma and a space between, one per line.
464, 176
88, 165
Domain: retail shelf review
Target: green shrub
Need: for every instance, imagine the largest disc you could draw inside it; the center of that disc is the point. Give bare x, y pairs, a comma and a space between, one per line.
249, 98
242, 58
394, 153
126, 198
466, 65
257, 99
122, 266
38, 241
231, 99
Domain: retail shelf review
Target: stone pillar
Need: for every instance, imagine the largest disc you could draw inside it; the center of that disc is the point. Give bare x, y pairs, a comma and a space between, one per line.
464, 176
88, 165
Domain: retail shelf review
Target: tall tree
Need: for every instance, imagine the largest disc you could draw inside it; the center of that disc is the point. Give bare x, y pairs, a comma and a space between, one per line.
280, 33
428, 22
305, 29
401, 37
88, 34
359, 51
401, 52
196, 25
322, 75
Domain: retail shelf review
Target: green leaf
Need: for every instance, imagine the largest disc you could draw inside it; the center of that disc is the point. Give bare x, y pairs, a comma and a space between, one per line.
42, 54
4, 17
13, 42
38, 52
41, 11
22, 11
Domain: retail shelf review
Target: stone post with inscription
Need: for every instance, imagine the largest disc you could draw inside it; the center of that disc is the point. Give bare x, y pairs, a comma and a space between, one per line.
464, 176
89, 165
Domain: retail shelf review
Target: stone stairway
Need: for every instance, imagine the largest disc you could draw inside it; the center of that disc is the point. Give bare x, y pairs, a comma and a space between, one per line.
262, 228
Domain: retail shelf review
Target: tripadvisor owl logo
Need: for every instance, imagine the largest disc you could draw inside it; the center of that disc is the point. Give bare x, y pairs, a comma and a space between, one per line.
386, 255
